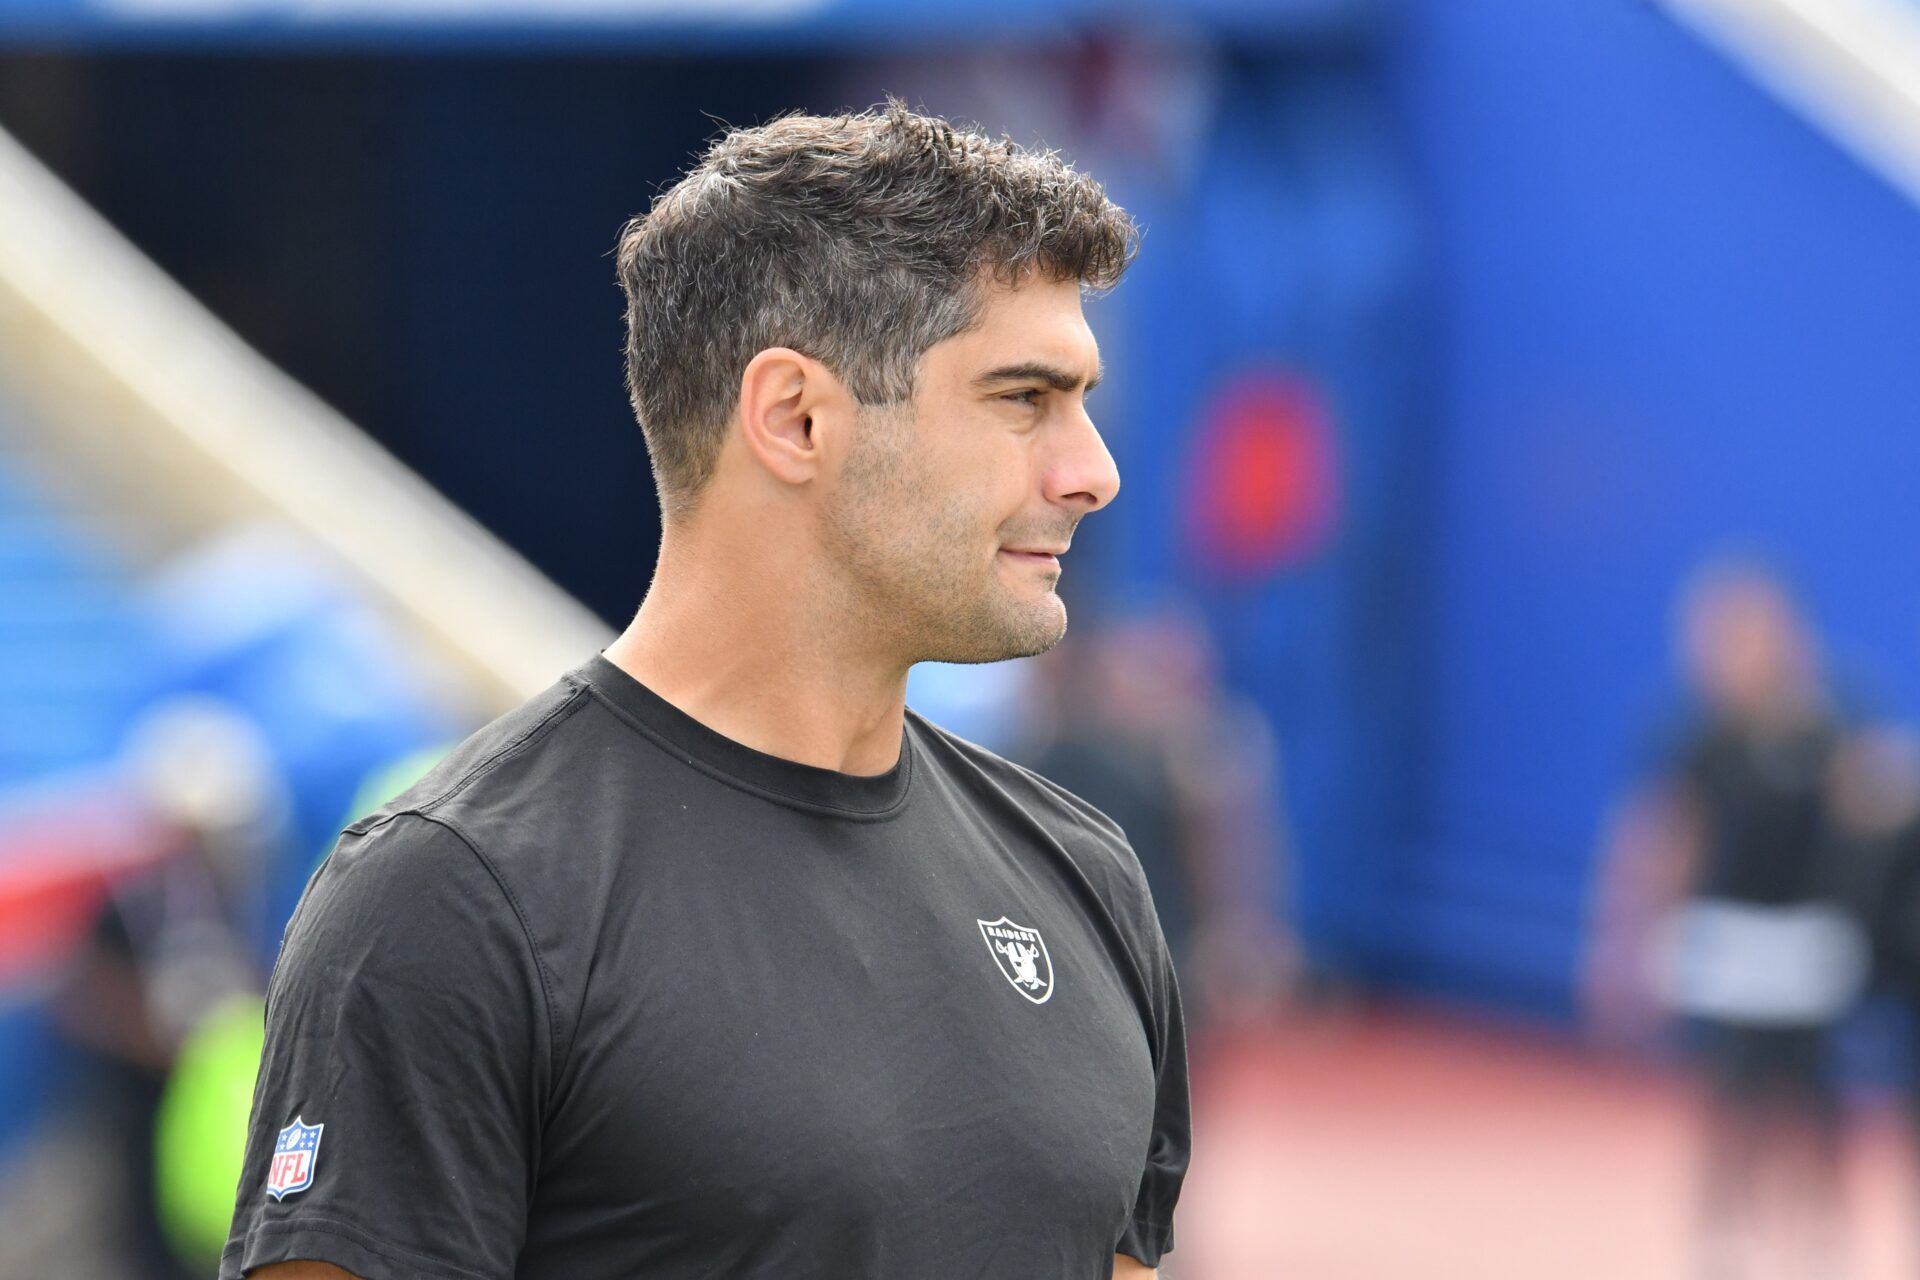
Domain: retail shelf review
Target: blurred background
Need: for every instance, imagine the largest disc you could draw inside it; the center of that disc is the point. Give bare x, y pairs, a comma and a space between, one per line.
1502, 655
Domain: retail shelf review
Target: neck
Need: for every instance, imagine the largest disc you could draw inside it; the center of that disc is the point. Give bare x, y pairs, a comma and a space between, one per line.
738, 633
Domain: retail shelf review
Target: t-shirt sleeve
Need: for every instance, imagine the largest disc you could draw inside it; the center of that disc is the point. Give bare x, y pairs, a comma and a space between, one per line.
1149, 1233
396, 1118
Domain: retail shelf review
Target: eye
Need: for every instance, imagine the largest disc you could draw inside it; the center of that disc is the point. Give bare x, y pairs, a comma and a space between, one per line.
1030, 397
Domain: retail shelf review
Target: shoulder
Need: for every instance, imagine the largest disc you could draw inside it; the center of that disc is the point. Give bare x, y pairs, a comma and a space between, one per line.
395, 881
405, 918
500, 757
557, 809
511, 839
1095, 842
950, 752
548, 778
972, 764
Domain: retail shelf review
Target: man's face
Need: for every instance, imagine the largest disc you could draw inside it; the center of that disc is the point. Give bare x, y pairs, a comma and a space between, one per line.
1746, 646
950, 515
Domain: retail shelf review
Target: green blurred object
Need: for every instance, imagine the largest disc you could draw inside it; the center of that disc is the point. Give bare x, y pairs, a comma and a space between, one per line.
200, 1135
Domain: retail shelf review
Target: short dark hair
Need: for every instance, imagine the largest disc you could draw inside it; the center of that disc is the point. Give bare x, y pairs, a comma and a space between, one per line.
860, 240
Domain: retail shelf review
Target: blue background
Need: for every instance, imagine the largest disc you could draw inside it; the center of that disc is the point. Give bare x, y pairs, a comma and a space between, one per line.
1584, 303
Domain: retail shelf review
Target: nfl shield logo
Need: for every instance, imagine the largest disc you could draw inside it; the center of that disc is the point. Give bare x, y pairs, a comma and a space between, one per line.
294, 1154
1022, 956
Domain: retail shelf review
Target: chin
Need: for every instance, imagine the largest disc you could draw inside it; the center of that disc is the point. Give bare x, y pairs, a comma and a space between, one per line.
1022, 631
1038, 628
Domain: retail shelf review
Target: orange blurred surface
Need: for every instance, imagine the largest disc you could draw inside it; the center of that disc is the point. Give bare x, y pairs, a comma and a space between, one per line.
1390, 1146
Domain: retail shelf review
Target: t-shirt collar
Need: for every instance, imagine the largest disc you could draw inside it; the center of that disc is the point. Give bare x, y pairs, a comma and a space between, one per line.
789, 781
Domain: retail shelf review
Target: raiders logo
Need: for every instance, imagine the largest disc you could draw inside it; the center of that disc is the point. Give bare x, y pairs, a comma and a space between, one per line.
1022, 956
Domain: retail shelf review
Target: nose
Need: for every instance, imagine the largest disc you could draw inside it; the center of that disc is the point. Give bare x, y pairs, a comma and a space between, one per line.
1082, 473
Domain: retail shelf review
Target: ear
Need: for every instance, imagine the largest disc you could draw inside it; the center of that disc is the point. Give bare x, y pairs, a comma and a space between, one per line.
785, 400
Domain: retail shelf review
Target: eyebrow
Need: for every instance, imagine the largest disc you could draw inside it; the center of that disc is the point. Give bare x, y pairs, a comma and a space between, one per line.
1037, 371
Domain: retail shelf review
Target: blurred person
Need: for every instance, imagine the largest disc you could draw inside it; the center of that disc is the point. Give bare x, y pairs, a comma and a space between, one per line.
1877, 802
1726, 905
713, 959
1132, 718
169, 945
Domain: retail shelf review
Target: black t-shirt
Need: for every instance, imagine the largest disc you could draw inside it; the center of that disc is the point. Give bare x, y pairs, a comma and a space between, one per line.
1764, 803
1132, 783
608, 994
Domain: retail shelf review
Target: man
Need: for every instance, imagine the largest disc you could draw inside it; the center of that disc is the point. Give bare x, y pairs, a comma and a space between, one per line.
1728, 886
713, 960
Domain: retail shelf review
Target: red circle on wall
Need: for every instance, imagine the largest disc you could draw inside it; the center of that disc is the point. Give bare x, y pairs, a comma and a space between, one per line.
1262, 492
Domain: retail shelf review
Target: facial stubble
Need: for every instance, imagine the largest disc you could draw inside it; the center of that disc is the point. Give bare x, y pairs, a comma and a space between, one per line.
908, 553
